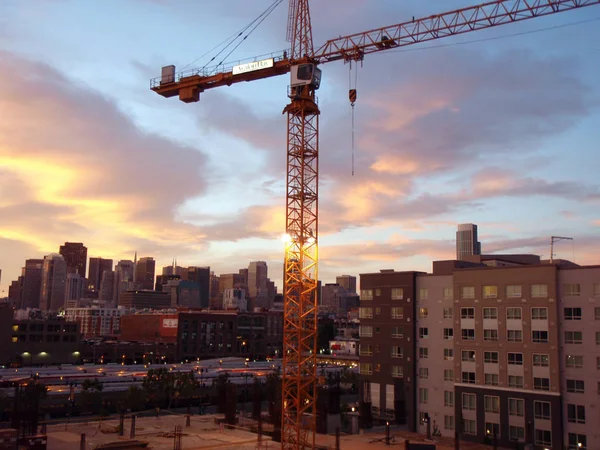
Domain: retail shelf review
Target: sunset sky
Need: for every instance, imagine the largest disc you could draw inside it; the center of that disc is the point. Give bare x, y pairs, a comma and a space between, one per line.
497, 127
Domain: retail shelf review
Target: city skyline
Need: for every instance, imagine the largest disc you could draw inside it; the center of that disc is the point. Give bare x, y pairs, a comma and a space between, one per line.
485, 140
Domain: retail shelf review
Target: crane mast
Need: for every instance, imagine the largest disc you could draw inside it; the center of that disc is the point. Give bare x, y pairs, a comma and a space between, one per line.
298, 422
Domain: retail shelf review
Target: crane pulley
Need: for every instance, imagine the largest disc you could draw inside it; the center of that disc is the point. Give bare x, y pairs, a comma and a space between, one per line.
301, 257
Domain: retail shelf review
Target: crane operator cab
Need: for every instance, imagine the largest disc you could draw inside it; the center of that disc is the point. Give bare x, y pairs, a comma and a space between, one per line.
307, 74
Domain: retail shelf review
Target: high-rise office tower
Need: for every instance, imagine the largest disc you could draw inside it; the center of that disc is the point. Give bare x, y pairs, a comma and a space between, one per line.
348, 282
75, 254
54, 277
257, 279
124, 275
466, 241
107, 286
31, 284
75, 286
201, 276
144, 273
97, 268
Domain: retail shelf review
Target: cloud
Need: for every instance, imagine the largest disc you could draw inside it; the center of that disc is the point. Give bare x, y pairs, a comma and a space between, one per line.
74, 167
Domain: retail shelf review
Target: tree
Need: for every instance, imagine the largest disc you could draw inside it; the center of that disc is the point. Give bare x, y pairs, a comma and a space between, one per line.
91, 395
135, 398
163, 385
325, 333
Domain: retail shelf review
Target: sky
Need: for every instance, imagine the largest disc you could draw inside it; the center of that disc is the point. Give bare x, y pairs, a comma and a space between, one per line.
496, 127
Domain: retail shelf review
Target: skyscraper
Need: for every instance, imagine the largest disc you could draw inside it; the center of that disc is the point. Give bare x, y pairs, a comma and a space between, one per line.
144, 273
348, 282
32, 283
107, 286
54, 277
257, 279
75, 286
466, 241
97, 268
75, 254
124, 274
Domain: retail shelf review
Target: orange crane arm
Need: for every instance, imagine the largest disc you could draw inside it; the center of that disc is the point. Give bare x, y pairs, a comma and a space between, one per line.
353, 47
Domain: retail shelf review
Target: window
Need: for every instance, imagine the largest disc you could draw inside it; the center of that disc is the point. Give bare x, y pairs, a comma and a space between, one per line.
366, 294
597, 362
490, 357
448, 354
449, 422
397, 293
492, 404
515, 381
513, 314
467, 313
597, 338
468, 334
490, 291
572, 313
423, 353
365, 350
423, 373
515, 359
468, 377
422, 417
513, 291
397, 351
448, 399
448, 333
516, 433
543, 437
365, 313
377, 311
448, 293
366, 368
578, 441
397, 312
575, 386
539, 336
467, 292
490, 335
541, 410
448, 313
377, 292
468, 355
597, 313
539, 290
514, 335
490, 379
423, 294
574, 361
397, 372
575, 413
377, 329
423, 333
398, 332
573, 337
448, 375
490, 313
423, 313
423, 395
365, 330
469, 401
596, 289
492, 429
572, 289
539, 313
541, 360
516, 407
470, 427
541, 384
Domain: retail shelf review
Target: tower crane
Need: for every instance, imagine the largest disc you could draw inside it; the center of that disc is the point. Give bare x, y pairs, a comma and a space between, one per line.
302, 63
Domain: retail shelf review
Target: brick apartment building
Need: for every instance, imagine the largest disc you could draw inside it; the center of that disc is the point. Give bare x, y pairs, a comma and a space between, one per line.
502, 351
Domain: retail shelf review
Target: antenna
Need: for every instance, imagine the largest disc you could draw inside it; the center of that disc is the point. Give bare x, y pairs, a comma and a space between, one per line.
554, 239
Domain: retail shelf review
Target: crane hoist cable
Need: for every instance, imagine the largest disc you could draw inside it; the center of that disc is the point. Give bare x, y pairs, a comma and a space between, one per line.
352, 96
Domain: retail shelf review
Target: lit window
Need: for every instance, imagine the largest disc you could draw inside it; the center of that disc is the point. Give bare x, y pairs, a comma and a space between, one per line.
423, 294
513, 291
366, 368
467, 292
397, 351
423, 313
398, 332
365, 350
448, 293
572, 289
365, 331
397, 312
492, 429
574, 361
397, 372
365, 313
578, 441
448, 313
539, 290
397, 293
490, 291
366, 294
